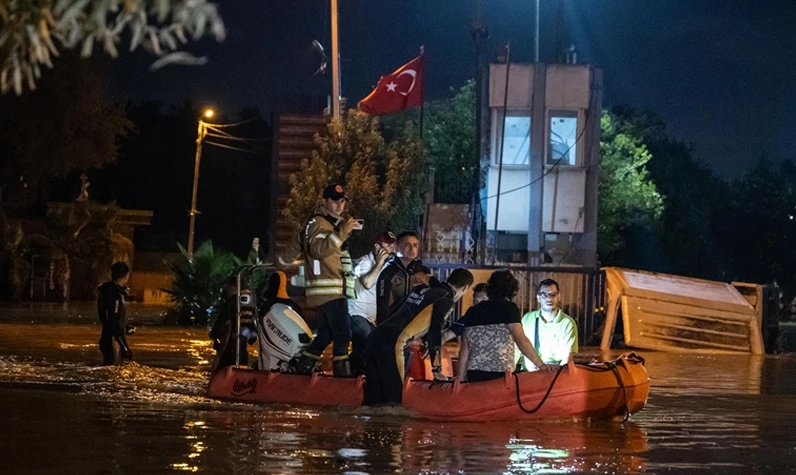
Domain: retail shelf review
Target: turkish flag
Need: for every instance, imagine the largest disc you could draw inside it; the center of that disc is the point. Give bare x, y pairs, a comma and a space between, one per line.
397, 91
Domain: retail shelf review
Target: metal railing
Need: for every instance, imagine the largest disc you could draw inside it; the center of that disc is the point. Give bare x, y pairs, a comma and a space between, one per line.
582, 291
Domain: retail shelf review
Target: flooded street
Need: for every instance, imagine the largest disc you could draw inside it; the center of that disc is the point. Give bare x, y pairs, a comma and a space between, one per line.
61, 413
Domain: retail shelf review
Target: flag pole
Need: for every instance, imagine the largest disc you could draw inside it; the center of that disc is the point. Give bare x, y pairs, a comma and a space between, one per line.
335, 63
422, 89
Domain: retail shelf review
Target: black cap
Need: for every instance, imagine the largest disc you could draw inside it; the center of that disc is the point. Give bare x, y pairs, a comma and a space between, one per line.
334, 192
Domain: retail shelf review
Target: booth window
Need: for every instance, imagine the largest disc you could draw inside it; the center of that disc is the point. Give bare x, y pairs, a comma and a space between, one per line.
517, 148
563, 146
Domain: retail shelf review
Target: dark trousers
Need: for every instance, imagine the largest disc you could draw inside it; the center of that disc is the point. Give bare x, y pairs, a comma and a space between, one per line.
334, 326
383, 382
110, 353
476, 376
361, 329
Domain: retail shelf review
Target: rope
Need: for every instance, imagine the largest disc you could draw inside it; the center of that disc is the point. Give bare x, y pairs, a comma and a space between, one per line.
615, 370
547, 394
608, 366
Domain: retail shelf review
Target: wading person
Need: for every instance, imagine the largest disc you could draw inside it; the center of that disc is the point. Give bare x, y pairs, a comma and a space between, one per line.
554, 333
363, 308
422, 315
394, 282
112, 312
329, 280
492, 332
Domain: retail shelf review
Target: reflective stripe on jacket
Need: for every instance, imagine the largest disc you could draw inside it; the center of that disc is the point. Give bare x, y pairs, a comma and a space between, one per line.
326, 260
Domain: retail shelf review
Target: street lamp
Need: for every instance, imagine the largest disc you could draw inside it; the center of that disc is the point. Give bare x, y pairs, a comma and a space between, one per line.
200, 134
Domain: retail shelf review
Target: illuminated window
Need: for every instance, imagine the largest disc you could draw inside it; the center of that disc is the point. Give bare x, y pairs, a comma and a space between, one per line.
563, 146
517, 149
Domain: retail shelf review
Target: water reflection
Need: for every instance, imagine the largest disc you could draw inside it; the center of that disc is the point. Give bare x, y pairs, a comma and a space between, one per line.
722, 414
340, 442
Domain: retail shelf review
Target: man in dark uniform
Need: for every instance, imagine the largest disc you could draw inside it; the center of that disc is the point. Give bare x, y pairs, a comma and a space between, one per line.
394, 282
421, 315
111, 310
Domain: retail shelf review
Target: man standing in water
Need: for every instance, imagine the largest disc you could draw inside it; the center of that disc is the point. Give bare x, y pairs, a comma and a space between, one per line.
553, 333
111, 310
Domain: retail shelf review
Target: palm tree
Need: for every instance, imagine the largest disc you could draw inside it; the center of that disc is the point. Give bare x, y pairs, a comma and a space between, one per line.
197, 288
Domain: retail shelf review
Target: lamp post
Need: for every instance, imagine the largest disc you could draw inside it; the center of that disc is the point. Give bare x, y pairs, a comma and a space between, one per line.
335, 63
200, 134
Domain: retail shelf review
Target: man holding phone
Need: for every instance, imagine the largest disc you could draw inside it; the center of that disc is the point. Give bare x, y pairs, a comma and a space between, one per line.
329, 280
363, 308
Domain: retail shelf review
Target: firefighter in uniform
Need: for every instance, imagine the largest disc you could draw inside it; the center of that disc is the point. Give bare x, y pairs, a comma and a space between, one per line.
329, 280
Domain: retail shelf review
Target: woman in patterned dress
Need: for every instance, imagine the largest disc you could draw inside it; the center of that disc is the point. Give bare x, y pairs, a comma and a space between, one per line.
491, 330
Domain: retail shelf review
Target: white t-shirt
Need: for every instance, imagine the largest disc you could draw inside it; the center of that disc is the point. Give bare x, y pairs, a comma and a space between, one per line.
365, 303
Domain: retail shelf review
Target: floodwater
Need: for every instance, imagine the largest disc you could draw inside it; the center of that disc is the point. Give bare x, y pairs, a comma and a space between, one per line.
61, 413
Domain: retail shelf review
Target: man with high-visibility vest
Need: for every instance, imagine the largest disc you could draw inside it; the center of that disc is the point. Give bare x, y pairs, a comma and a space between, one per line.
329, 280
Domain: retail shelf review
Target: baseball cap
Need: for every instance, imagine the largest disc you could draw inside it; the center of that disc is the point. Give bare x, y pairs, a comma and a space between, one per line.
386, 237
335, 192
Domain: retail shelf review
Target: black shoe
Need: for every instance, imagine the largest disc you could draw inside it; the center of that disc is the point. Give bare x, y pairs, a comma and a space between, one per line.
306, 364
341, 368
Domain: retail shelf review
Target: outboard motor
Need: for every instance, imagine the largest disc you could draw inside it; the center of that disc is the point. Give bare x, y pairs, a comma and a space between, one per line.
283, 336
283, 333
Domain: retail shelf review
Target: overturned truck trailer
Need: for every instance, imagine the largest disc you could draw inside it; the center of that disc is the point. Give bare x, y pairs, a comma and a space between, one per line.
673, 313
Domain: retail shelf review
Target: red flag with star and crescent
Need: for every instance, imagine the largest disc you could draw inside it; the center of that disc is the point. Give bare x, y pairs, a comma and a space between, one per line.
397, 91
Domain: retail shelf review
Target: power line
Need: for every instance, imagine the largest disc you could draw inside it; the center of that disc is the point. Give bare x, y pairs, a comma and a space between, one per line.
231, 125
253, 152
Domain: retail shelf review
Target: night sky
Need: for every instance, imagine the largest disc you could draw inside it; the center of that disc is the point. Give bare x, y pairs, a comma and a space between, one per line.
720, 73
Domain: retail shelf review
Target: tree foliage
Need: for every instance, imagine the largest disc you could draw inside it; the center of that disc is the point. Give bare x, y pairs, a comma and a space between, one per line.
71, 123
31, 32
760, 224
450, 139
83, 235
627, 196
384, 181
14, 266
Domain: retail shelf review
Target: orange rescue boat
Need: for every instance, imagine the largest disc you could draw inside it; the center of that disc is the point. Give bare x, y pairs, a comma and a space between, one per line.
250, 385
607, 389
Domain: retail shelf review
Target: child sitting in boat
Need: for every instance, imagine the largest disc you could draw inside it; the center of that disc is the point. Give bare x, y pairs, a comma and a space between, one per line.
492, 331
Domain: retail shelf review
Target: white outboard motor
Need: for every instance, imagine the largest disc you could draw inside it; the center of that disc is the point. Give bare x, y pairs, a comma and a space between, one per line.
283, 335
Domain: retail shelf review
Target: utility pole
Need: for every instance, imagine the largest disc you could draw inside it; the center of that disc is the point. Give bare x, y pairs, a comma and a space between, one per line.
335, 64
200, 134
536, 35
479, 34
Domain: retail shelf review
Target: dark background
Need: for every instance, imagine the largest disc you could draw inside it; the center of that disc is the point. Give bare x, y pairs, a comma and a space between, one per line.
719, 73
